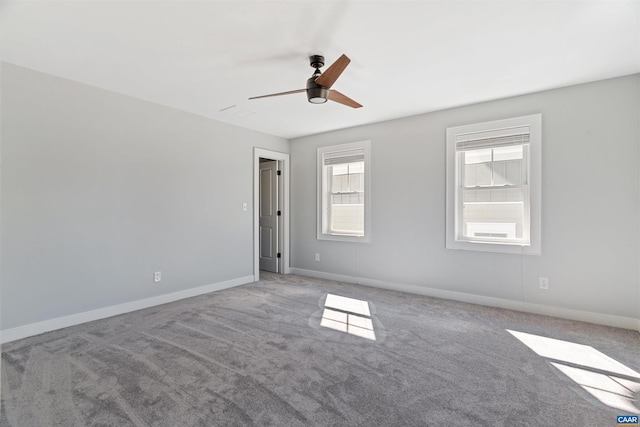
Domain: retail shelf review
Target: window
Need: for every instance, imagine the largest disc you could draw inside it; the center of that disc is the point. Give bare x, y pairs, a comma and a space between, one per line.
493, 186
343, 192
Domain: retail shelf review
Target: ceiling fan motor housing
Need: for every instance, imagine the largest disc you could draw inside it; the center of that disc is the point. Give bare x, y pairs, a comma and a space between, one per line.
316, 94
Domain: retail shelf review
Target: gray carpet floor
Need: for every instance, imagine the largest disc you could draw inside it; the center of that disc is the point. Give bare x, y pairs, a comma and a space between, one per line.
271, 354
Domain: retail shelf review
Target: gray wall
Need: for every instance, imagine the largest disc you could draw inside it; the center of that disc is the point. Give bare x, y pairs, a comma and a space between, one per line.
590, 203
99, 190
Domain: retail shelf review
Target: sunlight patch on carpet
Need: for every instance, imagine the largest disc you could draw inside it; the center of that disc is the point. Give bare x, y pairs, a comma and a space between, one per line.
348, 315
606, 379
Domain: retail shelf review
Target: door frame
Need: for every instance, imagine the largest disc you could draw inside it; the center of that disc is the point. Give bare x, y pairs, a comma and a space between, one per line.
284, 158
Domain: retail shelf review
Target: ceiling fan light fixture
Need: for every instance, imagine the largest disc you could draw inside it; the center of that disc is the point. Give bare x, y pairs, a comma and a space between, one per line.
317, 100
316, 96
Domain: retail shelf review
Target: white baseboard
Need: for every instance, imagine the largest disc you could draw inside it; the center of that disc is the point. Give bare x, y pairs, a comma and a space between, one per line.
563, 313
114, 310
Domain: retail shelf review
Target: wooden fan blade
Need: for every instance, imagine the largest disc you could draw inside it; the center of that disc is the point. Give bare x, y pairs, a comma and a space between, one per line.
279, 94
336, 96
331, 74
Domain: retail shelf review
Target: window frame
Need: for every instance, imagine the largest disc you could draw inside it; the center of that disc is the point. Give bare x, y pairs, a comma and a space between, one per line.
534, 165
322, 195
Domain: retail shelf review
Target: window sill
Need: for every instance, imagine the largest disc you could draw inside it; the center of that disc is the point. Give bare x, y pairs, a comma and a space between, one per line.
506, 248
344, 238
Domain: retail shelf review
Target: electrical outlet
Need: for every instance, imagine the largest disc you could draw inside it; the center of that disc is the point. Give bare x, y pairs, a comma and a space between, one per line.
157, 276
544, 283
317, 257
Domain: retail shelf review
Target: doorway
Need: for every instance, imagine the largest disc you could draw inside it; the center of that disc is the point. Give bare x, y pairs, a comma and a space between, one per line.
271, 212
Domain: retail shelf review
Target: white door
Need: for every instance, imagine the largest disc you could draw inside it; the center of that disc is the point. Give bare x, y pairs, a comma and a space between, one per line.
269, 216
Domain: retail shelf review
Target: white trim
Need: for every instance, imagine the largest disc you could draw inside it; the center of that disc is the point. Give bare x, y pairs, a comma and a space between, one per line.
546, 310
324, 275
284, 158
114, 310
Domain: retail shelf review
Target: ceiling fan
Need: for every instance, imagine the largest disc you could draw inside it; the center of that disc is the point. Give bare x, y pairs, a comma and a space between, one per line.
319, 84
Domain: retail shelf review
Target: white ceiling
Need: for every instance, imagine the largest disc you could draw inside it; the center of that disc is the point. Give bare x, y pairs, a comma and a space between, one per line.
408, 57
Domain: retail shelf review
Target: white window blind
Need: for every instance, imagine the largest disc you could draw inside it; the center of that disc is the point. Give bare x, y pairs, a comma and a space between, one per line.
339, 157
465, 144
